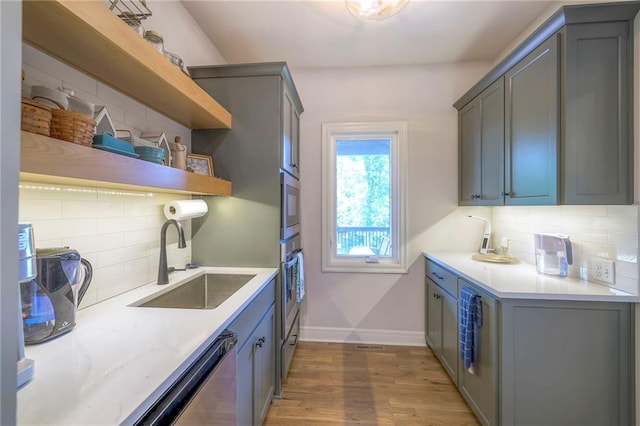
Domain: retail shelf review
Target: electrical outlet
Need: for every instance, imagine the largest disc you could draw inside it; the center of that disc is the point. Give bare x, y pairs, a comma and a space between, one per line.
603, 270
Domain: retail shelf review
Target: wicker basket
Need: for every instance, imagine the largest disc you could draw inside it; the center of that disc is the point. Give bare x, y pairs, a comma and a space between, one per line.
36, 117
72, 126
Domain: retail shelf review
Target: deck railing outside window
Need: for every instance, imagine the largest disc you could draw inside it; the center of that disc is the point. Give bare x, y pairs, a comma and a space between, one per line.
350, 237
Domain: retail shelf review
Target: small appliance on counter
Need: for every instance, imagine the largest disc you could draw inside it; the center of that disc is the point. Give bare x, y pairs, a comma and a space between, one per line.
50, 301
26, 273
553, 254
486, 235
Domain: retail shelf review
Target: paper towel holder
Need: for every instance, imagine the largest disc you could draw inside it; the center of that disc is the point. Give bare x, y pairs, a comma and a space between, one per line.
185, 209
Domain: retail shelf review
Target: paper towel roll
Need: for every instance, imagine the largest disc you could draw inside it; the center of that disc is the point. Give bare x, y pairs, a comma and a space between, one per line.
185, 209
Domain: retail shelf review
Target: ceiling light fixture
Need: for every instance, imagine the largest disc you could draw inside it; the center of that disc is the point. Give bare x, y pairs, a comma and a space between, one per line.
375, 10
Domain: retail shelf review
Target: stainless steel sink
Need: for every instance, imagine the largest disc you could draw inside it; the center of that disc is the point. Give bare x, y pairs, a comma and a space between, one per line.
207, 291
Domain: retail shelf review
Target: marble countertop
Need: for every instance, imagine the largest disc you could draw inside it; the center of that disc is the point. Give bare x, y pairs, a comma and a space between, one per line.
118, 359
521, 281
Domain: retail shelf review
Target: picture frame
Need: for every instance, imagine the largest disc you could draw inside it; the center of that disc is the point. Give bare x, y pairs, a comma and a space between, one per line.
200, 164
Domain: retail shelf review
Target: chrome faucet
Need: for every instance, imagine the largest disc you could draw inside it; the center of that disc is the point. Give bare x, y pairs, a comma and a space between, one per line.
163, 271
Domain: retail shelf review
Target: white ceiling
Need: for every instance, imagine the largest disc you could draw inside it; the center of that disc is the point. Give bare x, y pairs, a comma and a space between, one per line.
312, 33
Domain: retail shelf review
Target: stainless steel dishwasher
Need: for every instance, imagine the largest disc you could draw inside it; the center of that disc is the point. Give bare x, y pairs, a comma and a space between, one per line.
205, 394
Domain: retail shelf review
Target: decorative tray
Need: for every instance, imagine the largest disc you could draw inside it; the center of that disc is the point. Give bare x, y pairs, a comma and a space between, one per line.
107, 142
495, 258
116, 150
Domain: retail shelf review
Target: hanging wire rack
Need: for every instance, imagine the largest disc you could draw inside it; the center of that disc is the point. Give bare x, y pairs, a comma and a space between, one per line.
130, 11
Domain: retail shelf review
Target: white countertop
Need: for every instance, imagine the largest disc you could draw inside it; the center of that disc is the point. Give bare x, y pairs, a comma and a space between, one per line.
118, 358
521, 281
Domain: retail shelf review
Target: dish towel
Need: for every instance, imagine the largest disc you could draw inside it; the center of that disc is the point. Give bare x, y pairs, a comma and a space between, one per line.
299, 280
470, 316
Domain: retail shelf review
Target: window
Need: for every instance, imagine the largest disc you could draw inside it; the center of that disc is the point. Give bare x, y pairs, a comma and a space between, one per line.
363, 197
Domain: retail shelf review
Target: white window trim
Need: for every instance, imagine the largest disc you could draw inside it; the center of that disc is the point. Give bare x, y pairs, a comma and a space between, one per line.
331, 263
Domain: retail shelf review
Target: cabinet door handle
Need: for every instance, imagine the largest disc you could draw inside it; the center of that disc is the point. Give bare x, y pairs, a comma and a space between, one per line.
295, 340
435, 274
294, 165
261, 341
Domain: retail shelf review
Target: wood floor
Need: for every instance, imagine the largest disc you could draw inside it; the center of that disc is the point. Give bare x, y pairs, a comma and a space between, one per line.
334, 384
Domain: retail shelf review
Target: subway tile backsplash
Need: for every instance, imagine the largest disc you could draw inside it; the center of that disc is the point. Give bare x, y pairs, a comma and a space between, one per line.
117, 231
609, 232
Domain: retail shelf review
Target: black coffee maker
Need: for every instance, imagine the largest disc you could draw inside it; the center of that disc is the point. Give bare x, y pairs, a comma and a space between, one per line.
50, 301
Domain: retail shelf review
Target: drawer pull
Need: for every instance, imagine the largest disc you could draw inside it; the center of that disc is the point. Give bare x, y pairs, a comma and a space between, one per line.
435, 274
295, 340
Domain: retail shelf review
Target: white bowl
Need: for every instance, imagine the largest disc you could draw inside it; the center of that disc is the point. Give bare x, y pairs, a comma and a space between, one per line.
80, 105
50, 97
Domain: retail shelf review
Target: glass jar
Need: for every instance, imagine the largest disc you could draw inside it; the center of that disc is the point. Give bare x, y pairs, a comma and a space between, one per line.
155, 39
134, 22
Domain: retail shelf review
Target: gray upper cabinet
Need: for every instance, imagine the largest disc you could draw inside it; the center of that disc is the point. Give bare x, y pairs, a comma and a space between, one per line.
290, 134
598, 152
568, 113
481, 148
531, 128
245, 228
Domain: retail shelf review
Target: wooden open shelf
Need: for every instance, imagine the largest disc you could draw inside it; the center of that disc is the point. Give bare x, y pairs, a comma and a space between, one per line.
88, 36
44, 159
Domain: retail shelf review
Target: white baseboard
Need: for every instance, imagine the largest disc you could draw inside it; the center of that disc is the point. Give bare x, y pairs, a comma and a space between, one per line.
346, 335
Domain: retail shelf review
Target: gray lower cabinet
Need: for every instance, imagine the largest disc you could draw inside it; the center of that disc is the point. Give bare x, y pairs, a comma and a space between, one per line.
290, 344
256, 370
480, 389
442, 331
481, 148
566, 363
543, 362
532, 127
441, 319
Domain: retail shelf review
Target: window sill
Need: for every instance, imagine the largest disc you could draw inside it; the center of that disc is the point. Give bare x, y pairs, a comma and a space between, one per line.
366, 268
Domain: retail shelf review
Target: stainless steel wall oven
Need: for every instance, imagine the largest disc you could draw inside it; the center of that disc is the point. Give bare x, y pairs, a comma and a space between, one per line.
290, 274
290, 224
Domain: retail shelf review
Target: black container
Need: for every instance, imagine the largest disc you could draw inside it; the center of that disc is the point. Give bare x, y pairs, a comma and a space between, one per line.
50, 301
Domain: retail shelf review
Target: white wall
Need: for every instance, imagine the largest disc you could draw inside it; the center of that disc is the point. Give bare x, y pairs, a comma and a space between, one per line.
181, 34
386, 308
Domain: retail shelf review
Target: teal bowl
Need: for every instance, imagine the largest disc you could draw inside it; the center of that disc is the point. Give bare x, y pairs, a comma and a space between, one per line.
150, 152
